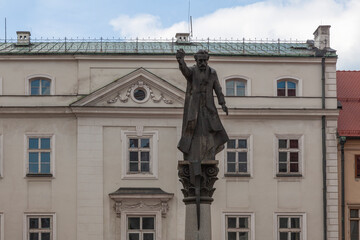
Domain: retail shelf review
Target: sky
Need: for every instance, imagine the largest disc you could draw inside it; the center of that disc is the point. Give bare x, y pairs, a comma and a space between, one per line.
225, 19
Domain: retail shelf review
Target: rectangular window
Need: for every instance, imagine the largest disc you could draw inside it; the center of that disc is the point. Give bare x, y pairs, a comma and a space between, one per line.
354, 224
238, 227
139, 155
40, 227
288, 156
1, 157
289, 227
141, 228
237, 157
39, 155
357, 166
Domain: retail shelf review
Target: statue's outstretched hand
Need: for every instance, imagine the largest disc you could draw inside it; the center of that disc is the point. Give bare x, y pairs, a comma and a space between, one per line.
180, 54
225, 109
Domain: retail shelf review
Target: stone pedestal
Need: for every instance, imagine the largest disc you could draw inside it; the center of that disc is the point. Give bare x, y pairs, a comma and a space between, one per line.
198, 180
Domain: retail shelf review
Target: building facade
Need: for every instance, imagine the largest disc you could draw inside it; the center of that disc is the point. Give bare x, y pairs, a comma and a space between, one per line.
88, 136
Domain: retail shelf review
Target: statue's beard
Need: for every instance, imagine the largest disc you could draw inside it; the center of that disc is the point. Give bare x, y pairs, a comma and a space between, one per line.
202, 68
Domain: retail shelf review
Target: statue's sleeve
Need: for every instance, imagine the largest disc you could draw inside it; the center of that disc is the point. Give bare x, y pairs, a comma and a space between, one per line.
218, 90
187, 72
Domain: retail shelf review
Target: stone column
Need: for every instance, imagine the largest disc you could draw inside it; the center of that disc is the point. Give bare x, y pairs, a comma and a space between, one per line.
198, 180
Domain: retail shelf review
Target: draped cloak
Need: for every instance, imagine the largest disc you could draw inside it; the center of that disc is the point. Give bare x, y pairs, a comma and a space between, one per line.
200, 114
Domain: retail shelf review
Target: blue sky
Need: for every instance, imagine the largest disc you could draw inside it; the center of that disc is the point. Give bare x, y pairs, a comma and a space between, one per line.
260, 19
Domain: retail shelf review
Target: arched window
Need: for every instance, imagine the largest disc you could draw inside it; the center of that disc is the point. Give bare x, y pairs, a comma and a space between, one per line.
40, 86
286, 88
236, 87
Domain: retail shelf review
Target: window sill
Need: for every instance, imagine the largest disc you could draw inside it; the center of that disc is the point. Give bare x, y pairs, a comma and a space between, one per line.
244, 175
40, 175
289, 175
141, 176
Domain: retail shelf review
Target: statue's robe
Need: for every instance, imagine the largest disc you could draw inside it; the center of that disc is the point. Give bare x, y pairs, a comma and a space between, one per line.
203, 135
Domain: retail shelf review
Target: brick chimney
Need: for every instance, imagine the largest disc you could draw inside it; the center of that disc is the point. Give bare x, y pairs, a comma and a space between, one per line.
322, 37
23, 38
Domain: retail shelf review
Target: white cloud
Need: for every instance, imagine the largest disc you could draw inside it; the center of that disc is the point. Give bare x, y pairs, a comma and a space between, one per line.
271, 19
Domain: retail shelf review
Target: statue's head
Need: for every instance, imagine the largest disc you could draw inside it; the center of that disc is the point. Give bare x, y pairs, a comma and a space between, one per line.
201, 58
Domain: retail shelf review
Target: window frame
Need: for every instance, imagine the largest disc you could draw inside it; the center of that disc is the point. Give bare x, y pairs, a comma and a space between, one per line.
349, 218
32, 77
52, 154
357, 166
240, 78
26, 229
141, 230
124, 220
251, 222
1, 157
298, 81
300, 139
154, 139
2, 234
249, 173
303, 223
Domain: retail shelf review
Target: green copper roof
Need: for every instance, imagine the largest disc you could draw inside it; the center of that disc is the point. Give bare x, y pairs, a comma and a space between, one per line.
144, 47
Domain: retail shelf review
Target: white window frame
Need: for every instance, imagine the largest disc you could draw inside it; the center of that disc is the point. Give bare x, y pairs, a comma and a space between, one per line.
300, 138
296, 80
42, 76
1, 86
251, 215
2, 234
52, 152
303, 223
154, 139
39, 215
249, 156
1, 157
349, 219
126, 213
238, 78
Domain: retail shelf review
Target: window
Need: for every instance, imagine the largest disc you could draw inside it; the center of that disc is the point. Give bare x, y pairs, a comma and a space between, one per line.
1, 226
354, 224
40, 86
237, 157
289, 156
290, 227
1, 158
357, 166
236, 88
286, 88
39, 155
238, 227
139, 154
40, 227
141, 228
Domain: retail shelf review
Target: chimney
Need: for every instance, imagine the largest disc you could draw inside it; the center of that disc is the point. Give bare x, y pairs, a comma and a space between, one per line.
322, 37
182, 38
23, 38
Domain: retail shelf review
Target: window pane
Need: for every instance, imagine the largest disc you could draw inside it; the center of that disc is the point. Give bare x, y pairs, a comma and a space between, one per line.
243, 167
45, 87
33, 168
133, 142
243, 222
134, 236
283, 222
357, 163
283, 236
231, 143
282, 167
34, 236
45, 236
242, 156
294, 157
148, 223
230, 88
295, 236
134, 156
243, 236
45, 222
294, 143
231, 222
231, 167
282, 143
240, 88
294, 167
354, 230
145, 167
231, 157
291, 85
133, 223
295, 222
231, 235
33, 143
281, 84
242, 143
148, 236
134, 167
281, 92
145, 143
45, 157
145, 156
35, 87
45, 143
33, 157
33, 223
354, 213
45, 168
282, 156
291, 92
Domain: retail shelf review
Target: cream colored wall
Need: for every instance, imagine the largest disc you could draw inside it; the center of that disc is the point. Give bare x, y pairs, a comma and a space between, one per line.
20, 194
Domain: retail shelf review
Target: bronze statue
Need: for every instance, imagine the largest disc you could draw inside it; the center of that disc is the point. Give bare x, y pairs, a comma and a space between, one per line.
203, 135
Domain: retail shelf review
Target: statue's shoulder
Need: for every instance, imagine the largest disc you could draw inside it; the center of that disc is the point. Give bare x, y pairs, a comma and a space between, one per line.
212, 71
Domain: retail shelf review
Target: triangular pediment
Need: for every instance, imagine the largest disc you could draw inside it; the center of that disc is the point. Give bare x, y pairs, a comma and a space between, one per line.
140, 88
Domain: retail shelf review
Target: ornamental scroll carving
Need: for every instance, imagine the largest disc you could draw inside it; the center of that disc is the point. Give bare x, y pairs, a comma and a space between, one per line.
161, 206
130, 94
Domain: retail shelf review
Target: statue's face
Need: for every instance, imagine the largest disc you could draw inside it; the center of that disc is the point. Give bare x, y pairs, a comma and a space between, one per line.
202, 62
